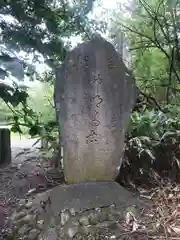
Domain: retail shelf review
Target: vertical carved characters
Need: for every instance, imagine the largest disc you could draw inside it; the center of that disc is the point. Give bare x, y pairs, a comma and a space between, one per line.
111, 65
83, 60
96, 101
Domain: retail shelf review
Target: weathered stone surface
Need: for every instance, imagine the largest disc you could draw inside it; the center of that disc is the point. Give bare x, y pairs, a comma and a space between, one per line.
84, 220
94, 96
52, 217
86, 196
33, 234
23, 230
40, 224
20, 215
65, 216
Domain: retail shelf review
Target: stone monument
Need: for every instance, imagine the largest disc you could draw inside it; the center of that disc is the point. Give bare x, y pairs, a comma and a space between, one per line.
94, 96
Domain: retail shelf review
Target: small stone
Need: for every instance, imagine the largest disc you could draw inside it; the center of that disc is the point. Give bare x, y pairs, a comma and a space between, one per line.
106, 224
72, 211
9, 232
20, 207
71, 232
93, 218
65, 216
23, 230
103, 215
113, 237
74, 222
29, 219
85, 230
40, 224
28, 205
84, 220
20, 215
33, 234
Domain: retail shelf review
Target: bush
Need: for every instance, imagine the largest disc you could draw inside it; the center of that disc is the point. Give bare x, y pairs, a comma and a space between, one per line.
152, 147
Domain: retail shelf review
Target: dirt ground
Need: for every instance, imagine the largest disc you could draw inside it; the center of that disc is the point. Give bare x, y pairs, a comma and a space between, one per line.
29, 173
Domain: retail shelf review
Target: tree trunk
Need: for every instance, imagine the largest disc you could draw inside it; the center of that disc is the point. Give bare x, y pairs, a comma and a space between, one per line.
5, 146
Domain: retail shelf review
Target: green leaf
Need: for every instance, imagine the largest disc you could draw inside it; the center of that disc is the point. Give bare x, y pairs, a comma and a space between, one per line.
35, 130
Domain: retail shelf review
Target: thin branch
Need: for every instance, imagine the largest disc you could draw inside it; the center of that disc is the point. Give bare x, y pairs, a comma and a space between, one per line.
147, 96
142, 47
154, 41
135, 31
156, 15
170, 76
51, 104
166, 37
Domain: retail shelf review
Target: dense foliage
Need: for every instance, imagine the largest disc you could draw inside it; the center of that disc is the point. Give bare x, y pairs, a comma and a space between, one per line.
153, 33
152, 148
152, 144
41, 29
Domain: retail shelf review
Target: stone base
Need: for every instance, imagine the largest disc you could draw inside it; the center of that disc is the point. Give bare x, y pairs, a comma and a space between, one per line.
90, 210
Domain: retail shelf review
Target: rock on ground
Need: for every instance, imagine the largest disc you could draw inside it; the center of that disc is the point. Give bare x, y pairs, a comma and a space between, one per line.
29, 173
91, 210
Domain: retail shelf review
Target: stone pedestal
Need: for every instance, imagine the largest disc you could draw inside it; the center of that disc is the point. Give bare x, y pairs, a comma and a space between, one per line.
77, 211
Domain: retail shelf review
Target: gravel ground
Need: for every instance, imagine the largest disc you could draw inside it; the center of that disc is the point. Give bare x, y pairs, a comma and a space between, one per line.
30, 171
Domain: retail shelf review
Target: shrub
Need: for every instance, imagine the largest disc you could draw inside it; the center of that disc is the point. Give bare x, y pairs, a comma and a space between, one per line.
152, 146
